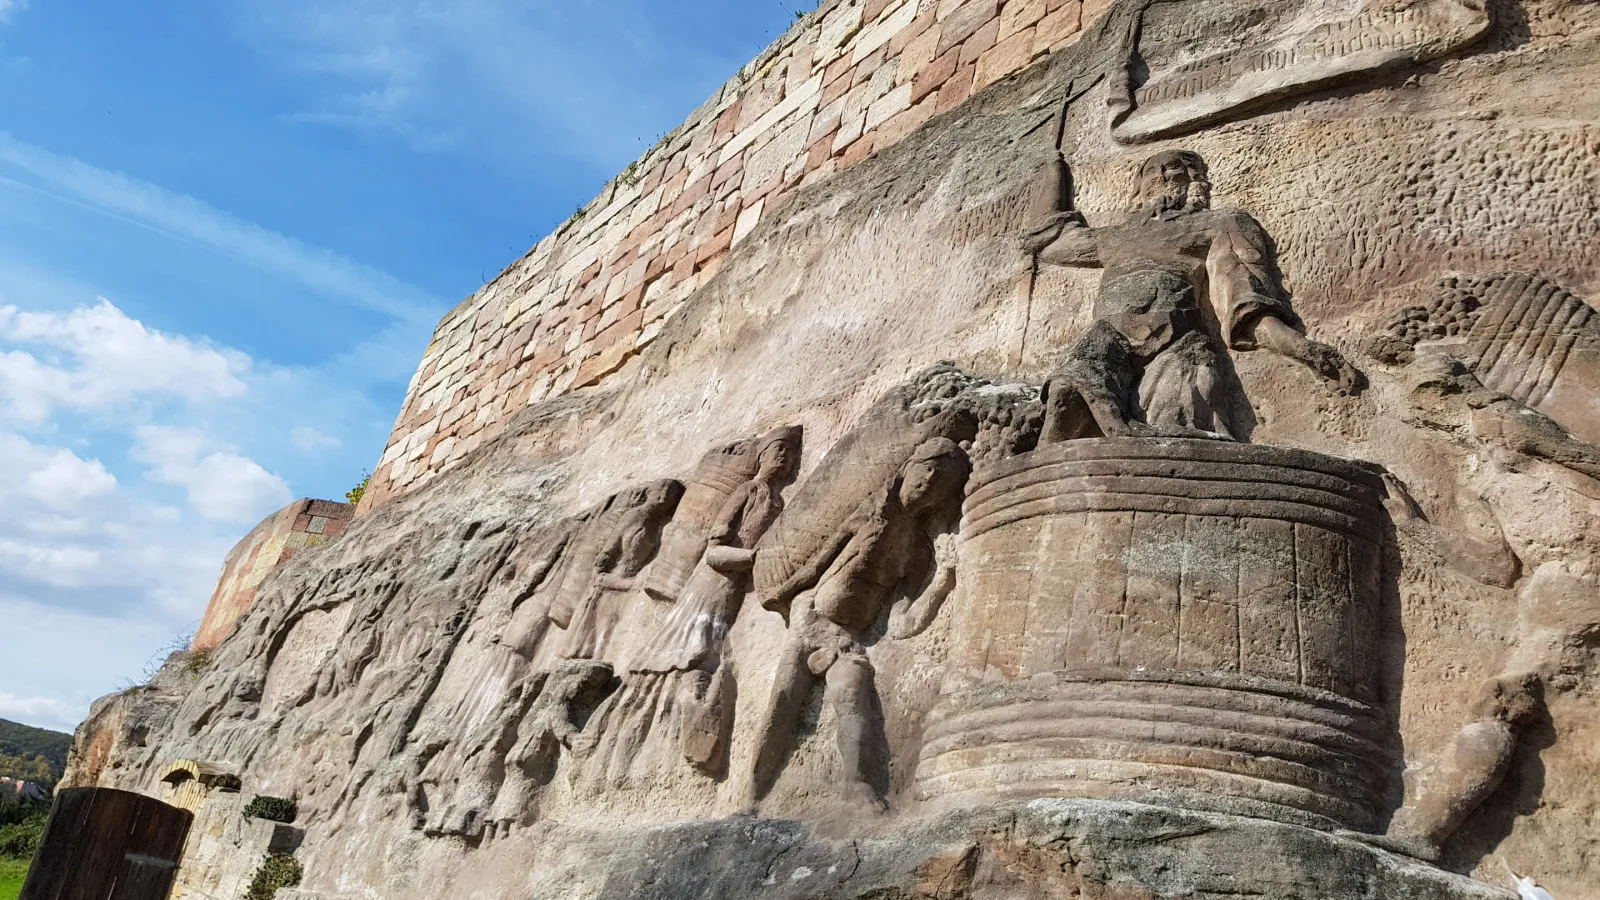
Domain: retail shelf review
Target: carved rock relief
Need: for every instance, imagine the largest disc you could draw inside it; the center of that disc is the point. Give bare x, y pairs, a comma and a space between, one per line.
1197, 624
1521, 335
675, 704
1187, 69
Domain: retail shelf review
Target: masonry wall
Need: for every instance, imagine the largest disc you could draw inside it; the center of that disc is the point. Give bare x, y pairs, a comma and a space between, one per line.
270, 544
851, 78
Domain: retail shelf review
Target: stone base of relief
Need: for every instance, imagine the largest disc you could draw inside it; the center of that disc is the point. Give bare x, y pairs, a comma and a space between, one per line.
1045, 849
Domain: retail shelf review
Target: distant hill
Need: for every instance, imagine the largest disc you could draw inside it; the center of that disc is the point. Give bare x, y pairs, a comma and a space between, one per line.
32, 754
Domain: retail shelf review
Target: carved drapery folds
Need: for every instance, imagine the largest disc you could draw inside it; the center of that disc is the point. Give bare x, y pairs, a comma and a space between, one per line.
675, 703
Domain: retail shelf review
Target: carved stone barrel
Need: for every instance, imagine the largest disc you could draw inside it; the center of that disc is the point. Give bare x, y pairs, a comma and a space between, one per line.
1194, 623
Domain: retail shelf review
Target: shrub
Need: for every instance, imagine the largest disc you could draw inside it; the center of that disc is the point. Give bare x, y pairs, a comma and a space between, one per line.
353, 496
280, 870
196, 662
276, 809
19, 839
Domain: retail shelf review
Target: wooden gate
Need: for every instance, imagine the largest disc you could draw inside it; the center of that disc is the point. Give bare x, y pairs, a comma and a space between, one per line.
104, 844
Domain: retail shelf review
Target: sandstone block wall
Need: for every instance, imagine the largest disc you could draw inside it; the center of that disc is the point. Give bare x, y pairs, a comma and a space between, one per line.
272, 543
852, 77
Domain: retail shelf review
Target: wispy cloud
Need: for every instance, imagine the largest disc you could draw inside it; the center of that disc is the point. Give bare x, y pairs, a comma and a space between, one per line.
502, 79
84, 552
8, 7
222, 485
188, 219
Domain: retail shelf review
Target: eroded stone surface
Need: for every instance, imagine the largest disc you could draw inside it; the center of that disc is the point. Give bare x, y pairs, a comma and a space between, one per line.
545, 673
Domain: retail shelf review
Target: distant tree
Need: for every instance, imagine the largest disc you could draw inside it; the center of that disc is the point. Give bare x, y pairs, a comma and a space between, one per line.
21, 824
22, 746
37, 770
19, 839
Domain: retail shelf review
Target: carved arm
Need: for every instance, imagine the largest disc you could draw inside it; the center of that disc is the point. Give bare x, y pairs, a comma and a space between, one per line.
730, 560
811, 573
1076, 244
909, 618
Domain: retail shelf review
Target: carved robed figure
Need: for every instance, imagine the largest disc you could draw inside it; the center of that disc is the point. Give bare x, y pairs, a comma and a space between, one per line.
1182, 281
676, 696
886, 546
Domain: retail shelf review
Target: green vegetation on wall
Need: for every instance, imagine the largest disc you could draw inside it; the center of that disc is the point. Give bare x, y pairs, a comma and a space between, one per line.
279, 870
353, 496
276, 809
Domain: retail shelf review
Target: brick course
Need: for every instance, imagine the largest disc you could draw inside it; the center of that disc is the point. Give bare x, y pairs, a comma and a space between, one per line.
853, 77
270, 544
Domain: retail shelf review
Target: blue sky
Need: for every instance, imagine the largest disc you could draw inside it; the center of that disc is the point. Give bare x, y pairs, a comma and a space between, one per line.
226, 231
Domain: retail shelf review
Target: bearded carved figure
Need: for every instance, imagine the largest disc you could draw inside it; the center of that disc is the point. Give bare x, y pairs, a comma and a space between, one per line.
1153, 363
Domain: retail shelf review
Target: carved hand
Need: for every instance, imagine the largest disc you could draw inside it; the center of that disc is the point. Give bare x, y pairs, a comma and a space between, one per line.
1048, 231
612, 582
1331, 365
730, 560
1320, 358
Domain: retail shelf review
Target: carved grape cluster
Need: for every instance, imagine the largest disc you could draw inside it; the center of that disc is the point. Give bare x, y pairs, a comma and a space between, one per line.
1453, 313
1009, 416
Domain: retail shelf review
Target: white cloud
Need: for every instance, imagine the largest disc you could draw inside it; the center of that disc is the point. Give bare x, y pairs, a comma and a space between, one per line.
221, 484
55, 477
7, 7
69, 528
97, 357
310, 440
132, 460
40, 712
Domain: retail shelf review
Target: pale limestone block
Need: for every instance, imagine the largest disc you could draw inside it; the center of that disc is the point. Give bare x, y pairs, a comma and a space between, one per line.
885, 29
441, 451
747, 220
770, 160
882, 80
891, 104
647, 206
839, 27
849, 130
827, 119
803, 99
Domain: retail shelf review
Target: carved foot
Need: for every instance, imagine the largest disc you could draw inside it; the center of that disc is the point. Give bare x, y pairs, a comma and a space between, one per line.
863, 799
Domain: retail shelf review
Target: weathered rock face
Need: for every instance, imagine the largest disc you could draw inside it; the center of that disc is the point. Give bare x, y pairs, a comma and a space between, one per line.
1245, 544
